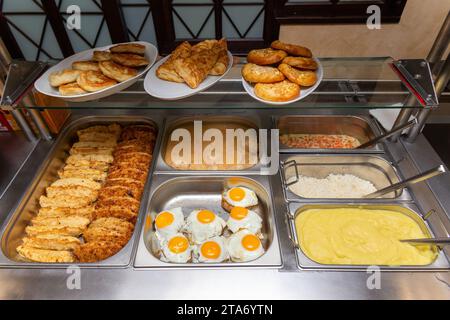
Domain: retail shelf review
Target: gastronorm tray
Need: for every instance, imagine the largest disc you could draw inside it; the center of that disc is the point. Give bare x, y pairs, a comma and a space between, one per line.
303, 262
191, 192
14, 228
372, 167
172, 123
360, 127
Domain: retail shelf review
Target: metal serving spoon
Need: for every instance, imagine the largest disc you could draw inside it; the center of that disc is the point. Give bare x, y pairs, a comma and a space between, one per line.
421, 242
402, 184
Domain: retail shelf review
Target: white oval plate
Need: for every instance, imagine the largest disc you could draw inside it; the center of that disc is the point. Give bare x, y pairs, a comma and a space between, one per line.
304, 91
168, 90
43, 85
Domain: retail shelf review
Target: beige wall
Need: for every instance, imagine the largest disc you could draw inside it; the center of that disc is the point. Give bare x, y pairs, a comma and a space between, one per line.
411, 38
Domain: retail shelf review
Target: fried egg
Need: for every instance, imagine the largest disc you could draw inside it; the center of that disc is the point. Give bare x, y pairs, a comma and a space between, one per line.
244, 246
240, 197
212, 250
169, 222
177, 249
203, 224
243, 218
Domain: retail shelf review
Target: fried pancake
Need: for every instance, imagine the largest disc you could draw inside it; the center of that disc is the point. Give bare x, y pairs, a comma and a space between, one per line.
130, 173
300, 62
92, 150
129, 59
265, 56
49, 256
96, 251
135, 187
116, 71
61, 77
166, 71
94, 81
260, 74
304, 78
127, 164
61, 230
114, 129
292, 49
277, 92
84, 159
93, 174
65, 201
116, 212
52, 242
134, 156
88, 183
97, 165
85, 65
127, 202
128, 48
77, 191
101, 56
95, 144
140, 132
86, 212
71, 89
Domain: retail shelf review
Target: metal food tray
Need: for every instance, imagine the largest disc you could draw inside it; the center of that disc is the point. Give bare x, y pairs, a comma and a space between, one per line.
172, 123
303, 262
14, 229
194, 192
374, 168
360, 127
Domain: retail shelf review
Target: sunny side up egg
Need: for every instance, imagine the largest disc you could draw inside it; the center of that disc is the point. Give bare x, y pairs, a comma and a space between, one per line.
212, 250
243, 218
203, 224
240, 197
244, 246
177, 249
169, 222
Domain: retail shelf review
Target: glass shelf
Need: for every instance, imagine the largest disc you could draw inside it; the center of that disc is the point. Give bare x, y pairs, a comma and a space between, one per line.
367, 83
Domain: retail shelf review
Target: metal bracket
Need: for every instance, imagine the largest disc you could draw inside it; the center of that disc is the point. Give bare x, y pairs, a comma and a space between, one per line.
416, 75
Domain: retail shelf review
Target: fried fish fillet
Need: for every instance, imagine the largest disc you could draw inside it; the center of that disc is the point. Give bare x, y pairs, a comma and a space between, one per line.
68, 182
114, 129
111, 143
96, 251
65, 201
41, 255
127, 202
84, 159
88, 173
61, 230
92, 150
77, 191
97, 136
52, 242
97, 165
86, 212
70, 221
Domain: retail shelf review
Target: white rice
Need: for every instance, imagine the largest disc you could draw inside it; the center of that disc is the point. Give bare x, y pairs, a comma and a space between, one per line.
333, 186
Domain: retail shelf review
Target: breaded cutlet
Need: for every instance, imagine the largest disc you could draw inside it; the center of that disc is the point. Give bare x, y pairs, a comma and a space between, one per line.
49, 256
82, 158
109, 229
77, 191
141, 157
96, 251
114, 191
130, 173
65, 201
127, 202
86, 212
93, 174
66, 182
52, 242
61, 230
148, 149
139, 132
135, 187
70, 221
116, 212
128, 164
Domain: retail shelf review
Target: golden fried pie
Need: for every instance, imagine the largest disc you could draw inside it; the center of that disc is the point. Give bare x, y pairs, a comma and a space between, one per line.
292, 49
129, 59
61, 77
85, 65
265, 56
128, 48
303, 78
116, 71
166, 71
101, 56
277, 92
71, 89
301, 62
94, 81
263, 74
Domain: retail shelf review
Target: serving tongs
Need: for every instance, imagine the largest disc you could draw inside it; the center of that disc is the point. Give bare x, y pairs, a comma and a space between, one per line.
402, 184
387, 134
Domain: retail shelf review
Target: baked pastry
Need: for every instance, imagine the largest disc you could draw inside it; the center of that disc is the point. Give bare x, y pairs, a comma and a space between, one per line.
166, 71
300, 62
128, 48
94, 81
292, 49
85, 65
116, 71
195, 68
70, 89
303, 78
277, 92
129, 59
61, 77
101, 56
265, 56
254, 73
222, 60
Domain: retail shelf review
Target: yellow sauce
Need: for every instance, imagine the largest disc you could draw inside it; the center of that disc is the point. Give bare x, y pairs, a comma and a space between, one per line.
355, 236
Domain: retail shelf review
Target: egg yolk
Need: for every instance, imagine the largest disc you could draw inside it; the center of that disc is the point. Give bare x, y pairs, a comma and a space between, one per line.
210, 250
239, 213
251, 242
237, 194
206, 216
164, 219
178, 244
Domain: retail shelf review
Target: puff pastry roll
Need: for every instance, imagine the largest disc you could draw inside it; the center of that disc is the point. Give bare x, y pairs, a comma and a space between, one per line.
166, 71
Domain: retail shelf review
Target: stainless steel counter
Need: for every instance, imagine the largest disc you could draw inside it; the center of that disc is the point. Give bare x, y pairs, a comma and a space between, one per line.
286, 283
